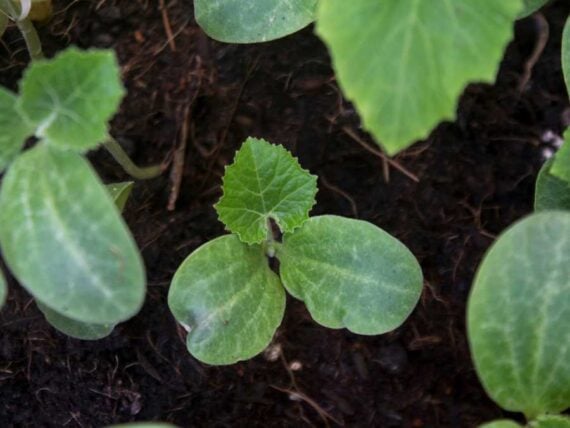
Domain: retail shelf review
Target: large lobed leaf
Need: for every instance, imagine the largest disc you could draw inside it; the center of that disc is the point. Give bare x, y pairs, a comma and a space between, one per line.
404, 63
350, 274
70, 98
531, 6
251, 21
518, 316
503, 423
229, 300
550, 421
561, 165
265, 182
65, 241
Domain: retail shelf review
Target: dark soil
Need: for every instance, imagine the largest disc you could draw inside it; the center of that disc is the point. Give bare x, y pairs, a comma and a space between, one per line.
475, 176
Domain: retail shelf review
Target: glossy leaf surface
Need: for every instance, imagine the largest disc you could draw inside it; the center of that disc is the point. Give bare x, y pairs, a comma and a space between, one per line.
350, 274
503, 423
404, 63
251, 21
551, 421
561, 165
65, 241
265, 182
518, 316
71, 98
228, 299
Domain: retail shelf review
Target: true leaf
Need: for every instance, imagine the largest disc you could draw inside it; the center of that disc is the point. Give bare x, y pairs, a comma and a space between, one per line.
531, 6
503, 423
551, 193
518, 316
14, 128
265, 182
550, 421
566, 54
120, 193
561, 165
71, 98
251, 21
76, 329
65, 241
228, 299
3, 289
404, 63
350, 274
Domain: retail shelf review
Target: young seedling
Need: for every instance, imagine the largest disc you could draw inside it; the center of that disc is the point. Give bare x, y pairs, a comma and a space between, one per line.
348, 272
61, 234
518, 317
22, 12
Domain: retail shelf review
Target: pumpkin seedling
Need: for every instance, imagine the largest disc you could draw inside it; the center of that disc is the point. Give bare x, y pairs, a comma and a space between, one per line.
61, 234
518, 317
349, 273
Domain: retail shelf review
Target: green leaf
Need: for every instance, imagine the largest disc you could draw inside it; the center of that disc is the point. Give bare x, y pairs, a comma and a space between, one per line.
561, 165
350, 274
518, 316
503, 423
404, 63
3, 289
265, 182
228, 299
76, 329
65, 241
551, 192
120, 193
531, 6
566, 54
71, 98
550, 421
251, 21
14, 128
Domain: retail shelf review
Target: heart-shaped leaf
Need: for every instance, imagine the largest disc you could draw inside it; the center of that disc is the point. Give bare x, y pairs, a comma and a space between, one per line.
14, 128
519, 313
71, 98
65, 241
265, 182
251, 21
76, 329
404, 63
350, 274
228, 299
551, 193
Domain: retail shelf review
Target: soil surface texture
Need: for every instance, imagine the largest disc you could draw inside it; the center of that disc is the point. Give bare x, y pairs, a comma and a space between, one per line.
195, 100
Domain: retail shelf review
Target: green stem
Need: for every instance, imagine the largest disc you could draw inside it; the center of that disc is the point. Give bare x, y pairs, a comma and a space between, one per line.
128, 165
31, 38
270, 241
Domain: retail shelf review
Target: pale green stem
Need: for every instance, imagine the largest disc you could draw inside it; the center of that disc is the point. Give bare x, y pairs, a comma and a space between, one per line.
123, 159
26, 27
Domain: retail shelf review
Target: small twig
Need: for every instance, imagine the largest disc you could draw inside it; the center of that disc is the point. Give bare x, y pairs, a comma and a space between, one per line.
128, 165
379, 154
178, 161
543, 34
167, 27
342, 193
